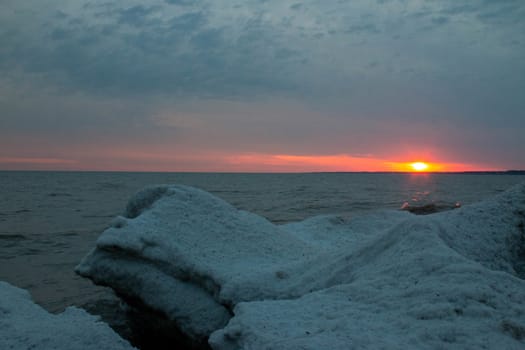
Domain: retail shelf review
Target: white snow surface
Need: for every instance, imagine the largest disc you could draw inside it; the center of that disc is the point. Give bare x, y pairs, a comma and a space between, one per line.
386, 280
25, 325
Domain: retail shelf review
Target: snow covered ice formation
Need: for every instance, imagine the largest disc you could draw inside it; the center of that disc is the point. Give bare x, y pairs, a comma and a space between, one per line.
25, 325
385, 280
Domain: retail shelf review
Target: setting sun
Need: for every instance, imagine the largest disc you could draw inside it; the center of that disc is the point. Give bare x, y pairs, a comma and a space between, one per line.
419, 166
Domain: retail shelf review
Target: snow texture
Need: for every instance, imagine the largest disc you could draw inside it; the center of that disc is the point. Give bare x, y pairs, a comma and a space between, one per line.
386, 280
25, 325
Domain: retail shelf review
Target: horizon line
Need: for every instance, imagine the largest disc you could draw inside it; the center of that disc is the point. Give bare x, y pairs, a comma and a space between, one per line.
509, 171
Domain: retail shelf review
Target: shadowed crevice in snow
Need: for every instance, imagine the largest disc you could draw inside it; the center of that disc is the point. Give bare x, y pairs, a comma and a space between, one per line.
431, 208
152, 329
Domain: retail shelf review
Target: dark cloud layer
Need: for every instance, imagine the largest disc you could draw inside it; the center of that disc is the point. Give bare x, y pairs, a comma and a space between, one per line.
227, 48
351, 65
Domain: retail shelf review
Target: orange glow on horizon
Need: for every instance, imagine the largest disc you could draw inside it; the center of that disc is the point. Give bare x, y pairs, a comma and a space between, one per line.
205, 161
342, 163
306, 163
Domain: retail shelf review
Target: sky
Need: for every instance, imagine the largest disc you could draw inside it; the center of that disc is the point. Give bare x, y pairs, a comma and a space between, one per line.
262, 85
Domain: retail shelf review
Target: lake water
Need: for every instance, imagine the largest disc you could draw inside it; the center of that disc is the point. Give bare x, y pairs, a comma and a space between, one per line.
50, 220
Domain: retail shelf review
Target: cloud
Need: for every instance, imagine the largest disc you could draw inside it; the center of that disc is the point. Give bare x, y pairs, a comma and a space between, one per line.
362, 28
136, 16
230, 49
440, 20
267, 75
150, 48
180, 2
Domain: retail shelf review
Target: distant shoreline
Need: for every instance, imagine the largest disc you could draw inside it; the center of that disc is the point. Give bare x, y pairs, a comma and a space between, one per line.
480, 172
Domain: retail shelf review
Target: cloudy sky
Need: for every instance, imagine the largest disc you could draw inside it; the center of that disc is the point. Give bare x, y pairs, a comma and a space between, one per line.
261, 85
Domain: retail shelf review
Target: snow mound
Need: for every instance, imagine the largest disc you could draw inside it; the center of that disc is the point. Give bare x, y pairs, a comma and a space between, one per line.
192, 256
25, 325
390, 279
408, 290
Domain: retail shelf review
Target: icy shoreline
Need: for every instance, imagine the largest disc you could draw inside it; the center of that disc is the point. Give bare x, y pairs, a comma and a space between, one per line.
390, 279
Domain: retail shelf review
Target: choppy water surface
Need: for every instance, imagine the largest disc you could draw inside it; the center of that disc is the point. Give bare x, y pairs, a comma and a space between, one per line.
50, 220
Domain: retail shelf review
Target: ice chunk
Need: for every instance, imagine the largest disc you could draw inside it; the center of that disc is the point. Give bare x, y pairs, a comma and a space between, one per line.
189, 245
390, 279
25, 325
490, 232
441, 281
459, 307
